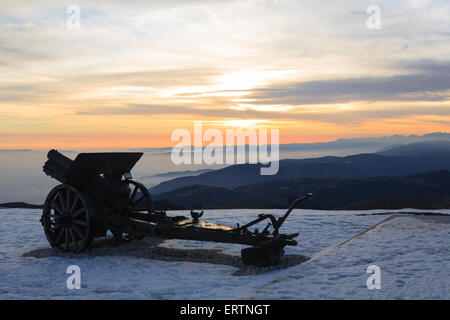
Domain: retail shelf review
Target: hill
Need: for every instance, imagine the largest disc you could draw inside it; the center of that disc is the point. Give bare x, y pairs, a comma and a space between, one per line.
349, 167
429, 189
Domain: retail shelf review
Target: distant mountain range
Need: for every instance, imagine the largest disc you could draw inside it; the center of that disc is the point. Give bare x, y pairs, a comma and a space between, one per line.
427, 190
403, 172
413, 175
412, 149
155, 179
364, 144
395, 161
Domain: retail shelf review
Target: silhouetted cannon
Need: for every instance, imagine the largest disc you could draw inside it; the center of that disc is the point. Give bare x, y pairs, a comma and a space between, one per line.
97, 194
57, 165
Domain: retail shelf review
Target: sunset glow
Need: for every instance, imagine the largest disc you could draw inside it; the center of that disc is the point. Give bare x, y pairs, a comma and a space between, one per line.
134, 72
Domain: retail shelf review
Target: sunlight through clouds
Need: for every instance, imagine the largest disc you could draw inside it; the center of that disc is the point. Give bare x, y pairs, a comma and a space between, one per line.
146, 68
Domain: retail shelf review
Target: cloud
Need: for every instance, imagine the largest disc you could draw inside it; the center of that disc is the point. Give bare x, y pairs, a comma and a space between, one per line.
429, 85
423, 90
285, 60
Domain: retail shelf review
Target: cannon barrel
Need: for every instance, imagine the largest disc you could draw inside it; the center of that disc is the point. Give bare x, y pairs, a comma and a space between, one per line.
88, 167
60, 159
57, 165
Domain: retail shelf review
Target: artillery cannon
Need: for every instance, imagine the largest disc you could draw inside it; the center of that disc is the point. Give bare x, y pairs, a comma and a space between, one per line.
97, 194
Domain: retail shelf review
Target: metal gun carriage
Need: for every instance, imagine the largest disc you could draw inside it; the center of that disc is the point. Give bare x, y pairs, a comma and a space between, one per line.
97, 194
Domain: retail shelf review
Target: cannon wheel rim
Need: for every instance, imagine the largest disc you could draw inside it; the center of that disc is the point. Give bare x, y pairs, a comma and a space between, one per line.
67, 219
145, 197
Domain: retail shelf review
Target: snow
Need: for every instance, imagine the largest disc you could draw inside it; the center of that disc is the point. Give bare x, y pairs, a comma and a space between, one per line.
411, 251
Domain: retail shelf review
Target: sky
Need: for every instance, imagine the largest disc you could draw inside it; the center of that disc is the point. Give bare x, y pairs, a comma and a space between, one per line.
135, 71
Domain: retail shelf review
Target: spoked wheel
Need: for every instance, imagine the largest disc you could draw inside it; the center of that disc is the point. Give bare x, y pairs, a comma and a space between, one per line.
67, 219
140, 198
140, 201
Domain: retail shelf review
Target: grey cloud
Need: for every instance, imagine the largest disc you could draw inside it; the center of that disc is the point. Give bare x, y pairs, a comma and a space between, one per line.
345, 117
133, 109
424, 86
423, 80
198, 109
428, 66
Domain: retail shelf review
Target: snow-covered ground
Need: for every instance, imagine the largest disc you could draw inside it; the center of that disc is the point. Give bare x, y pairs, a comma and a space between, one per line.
411, 251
